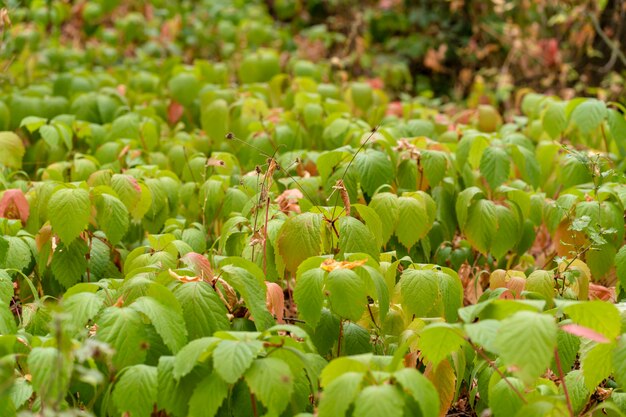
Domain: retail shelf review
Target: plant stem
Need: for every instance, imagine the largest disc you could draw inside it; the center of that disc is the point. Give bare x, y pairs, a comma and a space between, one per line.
562, 378
482, 354
255, 413
339, 339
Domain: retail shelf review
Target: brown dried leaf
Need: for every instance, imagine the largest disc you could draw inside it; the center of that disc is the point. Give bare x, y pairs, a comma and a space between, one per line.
275, 300
14, 205
330, 265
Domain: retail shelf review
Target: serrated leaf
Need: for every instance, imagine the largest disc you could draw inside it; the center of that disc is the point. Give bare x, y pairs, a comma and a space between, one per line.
232, 358
438, 341
69, 263
166, 319
187, 358
620, 266
339, 394
271, 381
495, 165
588, 115
596, 362
69, 210
421, 389
509, 230
203, 310
414, 221
253, 293
6, 288
379, 401
300, 238
420, 291
578, 392
112, 217
503, 400
308, 295
124, 330
374, 168
50, 371
372, 221
208, 396
355, 237
82, 307
481, 226
17, 254
388, 210
135, 392
347, 293
598, 315
173, 395
526, 342
484, 333
554, 121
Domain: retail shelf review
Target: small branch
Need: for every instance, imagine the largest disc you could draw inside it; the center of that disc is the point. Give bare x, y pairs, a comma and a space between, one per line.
482, 354
562, 378
339, 340
611, 44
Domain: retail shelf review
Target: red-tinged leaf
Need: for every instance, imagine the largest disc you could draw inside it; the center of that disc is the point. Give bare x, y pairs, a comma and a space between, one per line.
600, 292
14, 205
275, 300
174, 112
585, 332
444, 380
200, 265
394, 109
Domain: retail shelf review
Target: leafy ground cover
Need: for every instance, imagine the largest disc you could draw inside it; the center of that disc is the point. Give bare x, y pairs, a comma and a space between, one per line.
197, 221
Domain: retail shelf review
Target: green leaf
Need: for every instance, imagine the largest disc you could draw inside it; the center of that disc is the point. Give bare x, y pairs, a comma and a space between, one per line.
12, 150
438, 341
509, 230
50, 371
451, 290
271, 381
463, 202
173, 395
420, 291
596, 362
421, 389
481, 226
124, 330
17, 254
372, 221
232, 358
203, 311
588, 115
20, 392
598, 315
387, 207
208, 396
135, 392
69, 210
619, 361
6, 288
554, 119
355, 237
112, 217
82, 307
339, 394
300, 238
435, 164
374, 168
416, 217
252, 292
578, 392
483, 333
495, 165
308, 295
620, 266
214, 120
503, 400
379, 401
69, 263
187, 358
167, 319
617, 125
526, 341
184, 88
347, 293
